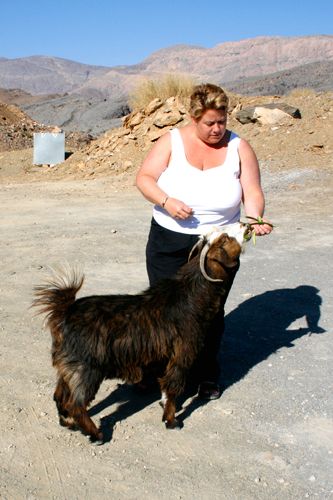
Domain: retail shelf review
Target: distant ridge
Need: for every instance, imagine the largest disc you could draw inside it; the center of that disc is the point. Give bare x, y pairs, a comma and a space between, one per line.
81, 97
317, 76
46, 75
226, 62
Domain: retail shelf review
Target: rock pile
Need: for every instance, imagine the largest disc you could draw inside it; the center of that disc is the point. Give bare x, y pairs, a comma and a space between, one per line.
302, 126
293, 131
122, 149
16, 128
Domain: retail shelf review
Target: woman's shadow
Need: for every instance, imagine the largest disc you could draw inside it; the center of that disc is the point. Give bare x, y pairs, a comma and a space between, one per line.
260, 326
263, 324
257, 328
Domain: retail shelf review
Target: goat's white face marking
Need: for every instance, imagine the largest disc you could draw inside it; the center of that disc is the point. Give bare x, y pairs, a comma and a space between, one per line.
236, 230
164, 399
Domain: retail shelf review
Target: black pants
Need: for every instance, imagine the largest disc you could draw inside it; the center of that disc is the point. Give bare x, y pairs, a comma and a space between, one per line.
166, 252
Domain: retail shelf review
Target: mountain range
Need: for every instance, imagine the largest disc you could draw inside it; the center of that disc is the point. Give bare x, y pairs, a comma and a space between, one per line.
91, 98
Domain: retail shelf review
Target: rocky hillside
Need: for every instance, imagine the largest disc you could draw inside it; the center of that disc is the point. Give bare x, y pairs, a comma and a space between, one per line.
280, 140
277, 140
283, 82
17, 129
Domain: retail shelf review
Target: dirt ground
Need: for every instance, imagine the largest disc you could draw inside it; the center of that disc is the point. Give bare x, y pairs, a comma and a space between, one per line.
270, 435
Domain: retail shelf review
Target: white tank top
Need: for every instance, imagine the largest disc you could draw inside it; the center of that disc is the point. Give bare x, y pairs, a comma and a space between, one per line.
213, 194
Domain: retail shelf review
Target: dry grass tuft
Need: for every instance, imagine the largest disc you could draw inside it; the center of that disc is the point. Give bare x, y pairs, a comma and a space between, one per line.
167, 86
301, 92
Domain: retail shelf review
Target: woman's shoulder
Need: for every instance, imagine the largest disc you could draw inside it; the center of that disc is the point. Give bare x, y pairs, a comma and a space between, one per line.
186, 130
164, 139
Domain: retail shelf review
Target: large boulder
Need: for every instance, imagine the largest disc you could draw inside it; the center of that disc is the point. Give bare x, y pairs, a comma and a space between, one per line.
268, 114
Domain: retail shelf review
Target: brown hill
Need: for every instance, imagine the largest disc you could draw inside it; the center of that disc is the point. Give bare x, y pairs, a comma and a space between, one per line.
45, 75
235, 60
21, 97
226, 62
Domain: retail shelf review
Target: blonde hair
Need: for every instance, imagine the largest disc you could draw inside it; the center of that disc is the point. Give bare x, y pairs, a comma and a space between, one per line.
207, 96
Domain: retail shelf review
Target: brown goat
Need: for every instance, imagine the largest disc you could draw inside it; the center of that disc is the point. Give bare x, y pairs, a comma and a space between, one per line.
118, 336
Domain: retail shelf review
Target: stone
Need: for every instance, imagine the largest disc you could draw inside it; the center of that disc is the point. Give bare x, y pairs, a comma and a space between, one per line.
134, 120
267, 116
270, 114
153, 106
245, 115
167, 119
155, 134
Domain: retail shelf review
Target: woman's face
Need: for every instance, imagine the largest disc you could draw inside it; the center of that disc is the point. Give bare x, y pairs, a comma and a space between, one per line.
211, 126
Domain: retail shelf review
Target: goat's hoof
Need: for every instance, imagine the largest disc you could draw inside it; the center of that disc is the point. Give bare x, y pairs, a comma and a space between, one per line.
68, 422
97, 439
174, 424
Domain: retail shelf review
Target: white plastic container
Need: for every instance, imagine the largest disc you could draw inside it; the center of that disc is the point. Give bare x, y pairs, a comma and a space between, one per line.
49, 148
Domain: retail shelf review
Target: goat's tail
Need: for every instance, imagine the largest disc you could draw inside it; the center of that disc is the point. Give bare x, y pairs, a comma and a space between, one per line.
54, 297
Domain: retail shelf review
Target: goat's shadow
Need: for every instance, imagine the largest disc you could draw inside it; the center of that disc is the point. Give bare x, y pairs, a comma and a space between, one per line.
257, 328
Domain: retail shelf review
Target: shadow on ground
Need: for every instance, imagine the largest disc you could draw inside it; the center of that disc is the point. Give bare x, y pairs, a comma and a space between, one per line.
257, 328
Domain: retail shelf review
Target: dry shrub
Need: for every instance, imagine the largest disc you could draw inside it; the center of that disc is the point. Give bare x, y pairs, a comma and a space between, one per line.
301, 92
167, 86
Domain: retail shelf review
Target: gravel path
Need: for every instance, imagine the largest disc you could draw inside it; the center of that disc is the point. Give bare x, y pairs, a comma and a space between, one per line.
271, 433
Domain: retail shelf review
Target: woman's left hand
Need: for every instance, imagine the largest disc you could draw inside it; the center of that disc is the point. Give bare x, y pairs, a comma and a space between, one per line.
261, 227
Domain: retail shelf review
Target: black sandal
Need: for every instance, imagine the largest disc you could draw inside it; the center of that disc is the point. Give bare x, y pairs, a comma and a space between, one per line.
209, 391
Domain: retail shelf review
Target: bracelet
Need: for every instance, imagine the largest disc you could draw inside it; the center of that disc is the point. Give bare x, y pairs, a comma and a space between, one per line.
164, 201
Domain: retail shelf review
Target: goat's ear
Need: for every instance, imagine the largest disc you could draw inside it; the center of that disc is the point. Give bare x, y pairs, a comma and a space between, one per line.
226, 251
230, 259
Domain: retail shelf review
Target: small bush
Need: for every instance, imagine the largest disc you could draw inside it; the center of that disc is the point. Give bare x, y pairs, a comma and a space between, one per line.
168, 86
301, 92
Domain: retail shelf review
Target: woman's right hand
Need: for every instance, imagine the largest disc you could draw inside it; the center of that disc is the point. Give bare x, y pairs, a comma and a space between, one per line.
177, 209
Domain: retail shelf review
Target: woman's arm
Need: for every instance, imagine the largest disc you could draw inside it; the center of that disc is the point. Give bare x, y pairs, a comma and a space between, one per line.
153, 166
253, 196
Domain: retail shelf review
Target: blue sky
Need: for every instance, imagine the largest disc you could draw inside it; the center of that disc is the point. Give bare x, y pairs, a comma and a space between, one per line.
111, 33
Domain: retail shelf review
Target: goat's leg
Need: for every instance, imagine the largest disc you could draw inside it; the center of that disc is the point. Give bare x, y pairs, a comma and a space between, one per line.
61, 397
83, 394
73, 397
172, 384
86, 424
168, 403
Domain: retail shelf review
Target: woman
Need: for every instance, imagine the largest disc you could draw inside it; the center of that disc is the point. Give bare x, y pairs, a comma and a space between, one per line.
197, 176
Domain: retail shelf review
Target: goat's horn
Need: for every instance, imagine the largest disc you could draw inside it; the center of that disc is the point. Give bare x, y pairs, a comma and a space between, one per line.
202, 263
199, 242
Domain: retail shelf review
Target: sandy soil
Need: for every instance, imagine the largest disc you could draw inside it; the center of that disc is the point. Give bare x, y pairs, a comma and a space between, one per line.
271, 433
